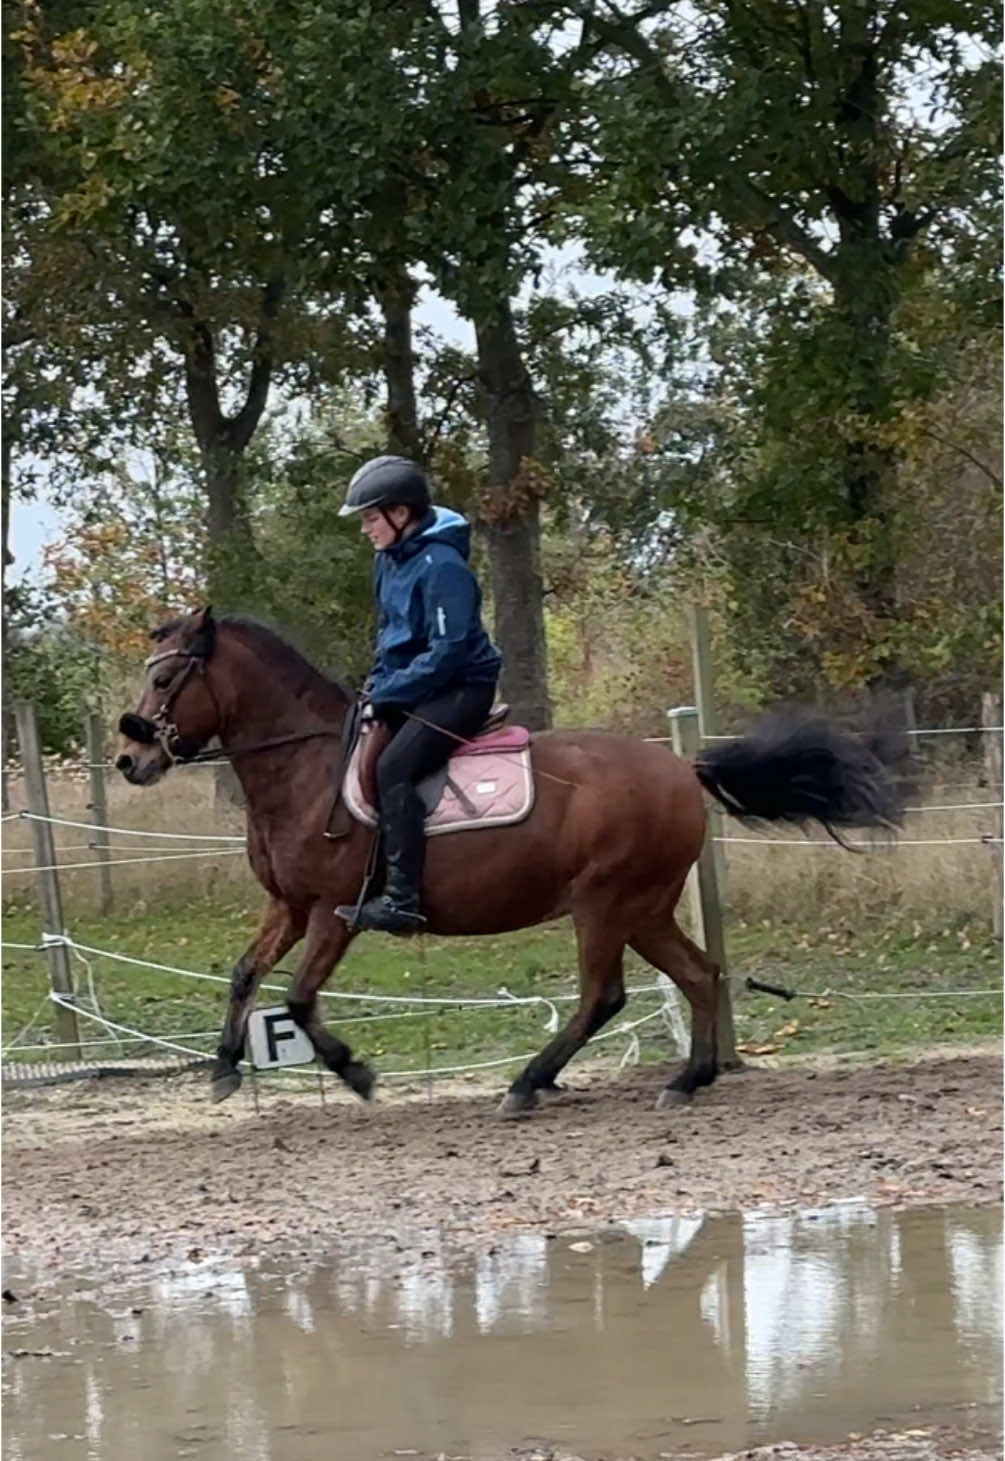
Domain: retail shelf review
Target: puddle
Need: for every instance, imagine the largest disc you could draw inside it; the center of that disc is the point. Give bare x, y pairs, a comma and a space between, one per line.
664, 1335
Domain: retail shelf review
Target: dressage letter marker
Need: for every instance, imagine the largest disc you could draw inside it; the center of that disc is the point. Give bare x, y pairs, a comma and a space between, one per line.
275, 1039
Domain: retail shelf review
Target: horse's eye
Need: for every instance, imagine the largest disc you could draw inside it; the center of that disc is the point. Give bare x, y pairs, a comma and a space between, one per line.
161, 682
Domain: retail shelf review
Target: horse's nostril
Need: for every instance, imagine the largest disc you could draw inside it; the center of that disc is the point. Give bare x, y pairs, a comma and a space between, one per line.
124, 762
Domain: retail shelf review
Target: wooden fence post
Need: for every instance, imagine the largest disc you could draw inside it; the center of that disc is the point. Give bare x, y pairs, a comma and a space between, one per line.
703, 671
60, 968
98, 805
6, 727
704, 891
991, 716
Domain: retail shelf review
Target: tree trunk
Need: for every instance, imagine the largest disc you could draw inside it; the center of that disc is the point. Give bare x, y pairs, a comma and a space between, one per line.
396, 300
231, 554
510, 519
867, 280
222, 440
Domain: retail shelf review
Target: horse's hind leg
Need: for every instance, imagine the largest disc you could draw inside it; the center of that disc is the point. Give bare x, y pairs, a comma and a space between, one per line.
602, 995
327, 940
280, 930
667, 948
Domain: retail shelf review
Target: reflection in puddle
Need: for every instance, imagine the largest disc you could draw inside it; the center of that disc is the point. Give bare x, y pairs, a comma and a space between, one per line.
759, 1327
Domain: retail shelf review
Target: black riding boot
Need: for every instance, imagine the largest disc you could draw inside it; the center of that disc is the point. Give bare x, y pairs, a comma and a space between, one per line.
396, 910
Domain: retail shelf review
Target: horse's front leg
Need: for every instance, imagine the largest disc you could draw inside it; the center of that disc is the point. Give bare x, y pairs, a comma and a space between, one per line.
326, 941
281, 927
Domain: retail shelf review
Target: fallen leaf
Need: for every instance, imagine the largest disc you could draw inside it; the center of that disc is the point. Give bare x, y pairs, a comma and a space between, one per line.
792, 1028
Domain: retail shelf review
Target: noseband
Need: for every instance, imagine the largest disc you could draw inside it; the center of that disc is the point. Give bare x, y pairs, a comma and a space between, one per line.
160, 728
162, 731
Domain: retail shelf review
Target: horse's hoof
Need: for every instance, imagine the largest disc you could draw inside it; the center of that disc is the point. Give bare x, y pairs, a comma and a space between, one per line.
360, 1078
672, 1096
224, 1085
551, 1092
516, 1104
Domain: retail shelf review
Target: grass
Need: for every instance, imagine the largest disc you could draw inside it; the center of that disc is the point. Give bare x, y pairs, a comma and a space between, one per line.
837, 966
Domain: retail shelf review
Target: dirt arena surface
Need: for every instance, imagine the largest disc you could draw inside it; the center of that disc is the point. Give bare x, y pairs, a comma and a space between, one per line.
975, 1439
116, 1172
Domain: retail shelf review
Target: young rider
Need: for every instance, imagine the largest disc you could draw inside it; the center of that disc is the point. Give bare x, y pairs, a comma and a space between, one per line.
435, 672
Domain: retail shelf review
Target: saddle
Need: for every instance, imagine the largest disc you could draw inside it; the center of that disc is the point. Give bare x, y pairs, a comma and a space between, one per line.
487, 780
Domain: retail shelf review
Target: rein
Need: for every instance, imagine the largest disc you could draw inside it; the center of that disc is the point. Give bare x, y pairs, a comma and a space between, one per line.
164, 731
223, 754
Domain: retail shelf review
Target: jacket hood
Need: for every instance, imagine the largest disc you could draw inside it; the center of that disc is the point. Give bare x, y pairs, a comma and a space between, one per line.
440, 525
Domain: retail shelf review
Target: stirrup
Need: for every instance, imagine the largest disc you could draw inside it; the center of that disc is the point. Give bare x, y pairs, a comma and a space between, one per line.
381, 915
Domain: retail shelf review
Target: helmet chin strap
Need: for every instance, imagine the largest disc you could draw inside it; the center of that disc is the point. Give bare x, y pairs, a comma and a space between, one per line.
399, 533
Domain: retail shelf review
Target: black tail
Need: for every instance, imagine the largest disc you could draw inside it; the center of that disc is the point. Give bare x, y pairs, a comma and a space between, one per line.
805, 771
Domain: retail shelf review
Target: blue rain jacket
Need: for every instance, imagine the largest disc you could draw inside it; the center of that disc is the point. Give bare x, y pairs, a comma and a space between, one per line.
430, 636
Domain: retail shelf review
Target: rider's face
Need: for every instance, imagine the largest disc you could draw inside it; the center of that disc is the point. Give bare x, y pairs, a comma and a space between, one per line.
383, 530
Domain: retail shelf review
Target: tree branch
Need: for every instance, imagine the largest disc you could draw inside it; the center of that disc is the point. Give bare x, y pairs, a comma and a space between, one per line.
762, 211
956, 446
431, 438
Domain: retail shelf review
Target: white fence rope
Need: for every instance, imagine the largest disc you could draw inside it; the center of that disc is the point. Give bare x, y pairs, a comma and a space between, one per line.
935, 730
70, 1004
503, 1000
126, 831
865, 846
768, 841
131, 1035
52, 867
957, 807
99, 847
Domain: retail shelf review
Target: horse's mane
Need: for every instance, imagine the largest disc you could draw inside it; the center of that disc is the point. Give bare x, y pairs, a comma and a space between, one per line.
292, 667
289, 666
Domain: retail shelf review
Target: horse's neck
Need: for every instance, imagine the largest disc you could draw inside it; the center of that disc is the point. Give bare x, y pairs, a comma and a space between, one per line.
261, 708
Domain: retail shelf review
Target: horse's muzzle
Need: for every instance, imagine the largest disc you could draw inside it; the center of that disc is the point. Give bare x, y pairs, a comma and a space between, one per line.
142, 769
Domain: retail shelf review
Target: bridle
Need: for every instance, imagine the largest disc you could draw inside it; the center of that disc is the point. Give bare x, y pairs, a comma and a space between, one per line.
160, 728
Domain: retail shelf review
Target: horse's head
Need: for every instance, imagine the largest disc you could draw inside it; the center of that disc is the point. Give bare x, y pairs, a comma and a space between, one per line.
178, 712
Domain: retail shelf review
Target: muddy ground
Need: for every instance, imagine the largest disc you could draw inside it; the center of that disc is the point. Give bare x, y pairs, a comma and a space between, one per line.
973, 1440
151, 1171
107, 1175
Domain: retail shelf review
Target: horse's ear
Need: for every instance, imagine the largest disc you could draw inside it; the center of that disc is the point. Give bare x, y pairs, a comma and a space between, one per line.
202, 636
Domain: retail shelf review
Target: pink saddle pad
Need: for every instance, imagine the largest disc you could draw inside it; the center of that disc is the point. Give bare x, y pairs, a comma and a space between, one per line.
490, 783
508, 738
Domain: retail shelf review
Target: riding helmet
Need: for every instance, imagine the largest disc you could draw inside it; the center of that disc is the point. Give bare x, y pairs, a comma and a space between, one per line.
388, 482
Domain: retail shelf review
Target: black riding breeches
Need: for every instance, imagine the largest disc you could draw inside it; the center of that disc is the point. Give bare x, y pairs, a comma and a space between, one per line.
416, 749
